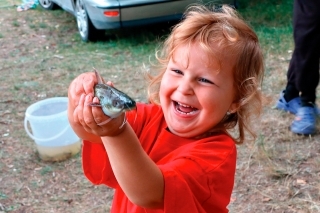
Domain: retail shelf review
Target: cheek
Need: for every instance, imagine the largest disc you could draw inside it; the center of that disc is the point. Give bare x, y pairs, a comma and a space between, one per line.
162, 92
215, 103
164, 86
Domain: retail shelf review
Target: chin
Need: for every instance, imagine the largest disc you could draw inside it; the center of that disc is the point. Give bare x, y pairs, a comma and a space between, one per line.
183, 134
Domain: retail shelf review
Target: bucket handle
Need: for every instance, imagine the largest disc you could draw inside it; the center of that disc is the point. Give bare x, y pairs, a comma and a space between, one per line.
41, 139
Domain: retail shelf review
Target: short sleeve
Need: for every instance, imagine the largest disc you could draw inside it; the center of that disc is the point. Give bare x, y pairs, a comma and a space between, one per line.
96, 165
144, 115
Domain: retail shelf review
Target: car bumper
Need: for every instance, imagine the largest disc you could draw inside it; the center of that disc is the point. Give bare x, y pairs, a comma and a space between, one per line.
134, 13
96, 9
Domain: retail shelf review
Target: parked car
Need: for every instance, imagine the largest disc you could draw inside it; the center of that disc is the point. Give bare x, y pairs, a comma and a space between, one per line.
96, 16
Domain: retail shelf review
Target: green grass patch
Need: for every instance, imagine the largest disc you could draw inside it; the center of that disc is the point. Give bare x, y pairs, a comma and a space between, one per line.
15, 23
43, 25
272, 21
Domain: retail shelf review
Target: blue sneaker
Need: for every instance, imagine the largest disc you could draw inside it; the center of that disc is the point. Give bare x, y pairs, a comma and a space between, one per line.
305, 121
292, 106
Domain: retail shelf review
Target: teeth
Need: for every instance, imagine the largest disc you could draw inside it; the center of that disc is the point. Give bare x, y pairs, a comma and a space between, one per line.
192, 109
184, 105
187, 113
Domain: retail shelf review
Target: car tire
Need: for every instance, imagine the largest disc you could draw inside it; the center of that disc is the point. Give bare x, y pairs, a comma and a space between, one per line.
48, 4
86, 29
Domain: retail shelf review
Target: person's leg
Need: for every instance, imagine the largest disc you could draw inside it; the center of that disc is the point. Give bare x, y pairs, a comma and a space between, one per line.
303, 73
289, 98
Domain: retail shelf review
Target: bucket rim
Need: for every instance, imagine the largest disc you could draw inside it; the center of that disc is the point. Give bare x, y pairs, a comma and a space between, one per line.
57, 117
31, 108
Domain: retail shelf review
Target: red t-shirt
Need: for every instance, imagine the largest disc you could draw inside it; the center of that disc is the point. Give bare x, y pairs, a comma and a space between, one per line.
198, 174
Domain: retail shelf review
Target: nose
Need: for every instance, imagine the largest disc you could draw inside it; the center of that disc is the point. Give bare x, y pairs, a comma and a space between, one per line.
185, 86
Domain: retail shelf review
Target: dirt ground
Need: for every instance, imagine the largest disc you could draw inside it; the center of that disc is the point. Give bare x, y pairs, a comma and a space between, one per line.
279, 172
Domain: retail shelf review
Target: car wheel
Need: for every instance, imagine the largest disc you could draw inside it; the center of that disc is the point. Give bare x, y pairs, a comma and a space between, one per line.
47, 4
86, 29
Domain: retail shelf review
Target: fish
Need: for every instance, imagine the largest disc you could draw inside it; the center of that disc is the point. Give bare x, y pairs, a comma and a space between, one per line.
112, 101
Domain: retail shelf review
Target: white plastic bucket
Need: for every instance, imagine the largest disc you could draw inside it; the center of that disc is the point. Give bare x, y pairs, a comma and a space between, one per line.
50, 129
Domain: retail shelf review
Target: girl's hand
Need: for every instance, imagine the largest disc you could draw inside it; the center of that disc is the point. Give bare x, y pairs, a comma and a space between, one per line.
83, 84
85, 119
91, 118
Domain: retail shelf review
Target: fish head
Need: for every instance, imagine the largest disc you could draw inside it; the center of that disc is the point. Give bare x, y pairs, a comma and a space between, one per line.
113, 102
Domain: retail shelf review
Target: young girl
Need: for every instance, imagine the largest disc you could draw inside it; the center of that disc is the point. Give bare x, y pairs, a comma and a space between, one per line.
176, 154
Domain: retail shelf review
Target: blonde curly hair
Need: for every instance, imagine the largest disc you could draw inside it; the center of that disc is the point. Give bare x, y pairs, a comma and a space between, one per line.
225, 28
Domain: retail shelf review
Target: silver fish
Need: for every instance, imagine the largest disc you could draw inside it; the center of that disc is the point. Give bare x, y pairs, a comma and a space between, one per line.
112, 101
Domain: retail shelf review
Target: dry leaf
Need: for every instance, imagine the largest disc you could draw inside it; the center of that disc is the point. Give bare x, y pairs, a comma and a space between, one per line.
266, 199
301, 182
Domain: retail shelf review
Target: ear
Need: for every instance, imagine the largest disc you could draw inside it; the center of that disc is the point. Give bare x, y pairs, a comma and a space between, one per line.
233, 107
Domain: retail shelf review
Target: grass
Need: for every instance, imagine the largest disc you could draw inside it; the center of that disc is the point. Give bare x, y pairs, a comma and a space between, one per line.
41, 52
272, 23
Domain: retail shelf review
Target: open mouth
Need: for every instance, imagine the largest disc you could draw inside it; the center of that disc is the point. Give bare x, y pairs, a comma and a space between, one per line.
184, 109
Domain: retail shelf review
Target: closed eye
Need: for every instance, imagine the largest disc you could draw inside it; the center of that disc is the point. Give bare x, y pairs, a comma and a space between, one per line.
205, 80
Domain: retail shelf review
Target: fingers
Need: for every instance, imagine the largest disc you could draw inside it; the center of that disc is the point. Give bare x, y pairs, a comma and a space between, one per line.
78, 112
83, 84
98, 114
79, 115
90, 118
87, 113
89, 82
110, 83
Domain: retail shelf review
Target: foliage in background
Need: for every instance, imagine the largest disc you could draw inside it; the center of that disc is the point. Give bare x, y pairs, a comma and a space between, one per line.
272, 21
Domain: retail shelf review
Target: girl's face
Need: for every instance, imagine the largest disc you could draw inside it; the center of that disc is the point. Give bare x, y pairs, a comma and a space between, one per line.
196, 91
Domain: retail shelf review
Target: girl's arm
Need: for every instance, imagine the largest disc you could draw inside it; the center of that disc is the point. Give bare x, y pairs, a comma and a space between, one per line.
139, 177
